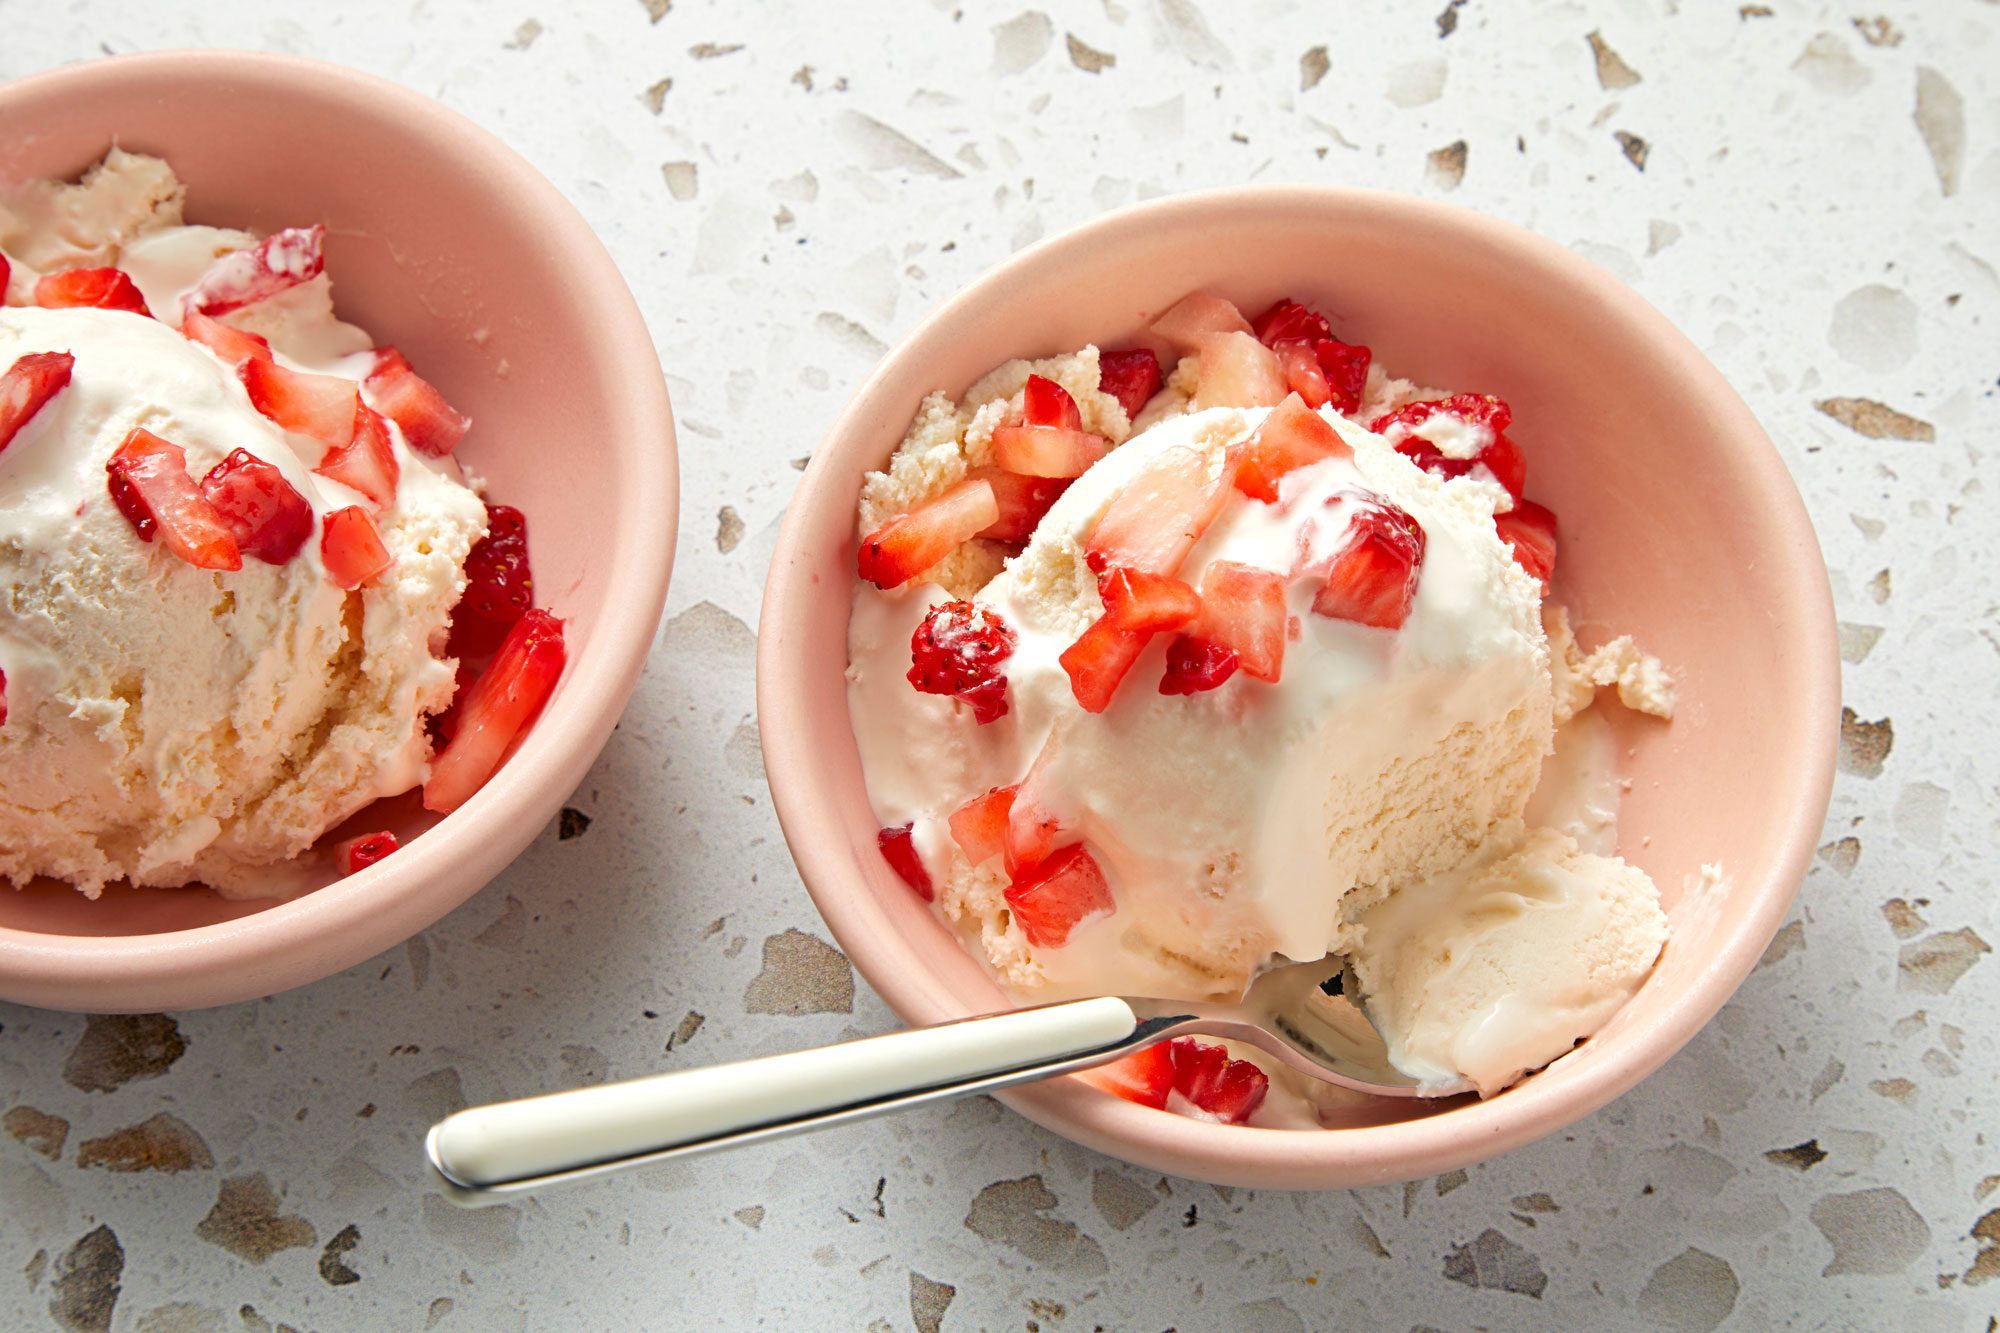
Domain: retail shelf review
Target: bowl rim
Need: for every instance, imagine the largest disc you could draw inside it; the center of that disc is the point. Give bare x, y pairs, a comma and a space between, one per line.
347, 922
1285, 1158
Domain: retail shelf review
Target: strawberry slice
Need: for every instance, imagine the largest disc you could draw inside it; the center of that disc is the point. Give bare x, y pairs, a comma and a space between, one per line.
1345, 366
1132, 377
352, 548
499, 585
497, 709
899, 849
3, 675
1292, 436
279, 262
1238, 371
1195, 665
1046, 403
27, 387
905, 547
1099, 660
234, 346
1047, 451
430, 424
364, 851
367, 462
958, 651
151, 487
979, 827
1372, 579
1188, 320
1022, 501
1147, 603
264, 513
1288, 321
1159, 516
1056, 897
322, 406
1530, 533
1474, 424
6, 272
1303, 374
1145, 1076
1243, 610
1215, 1086
90, 289
1033, 829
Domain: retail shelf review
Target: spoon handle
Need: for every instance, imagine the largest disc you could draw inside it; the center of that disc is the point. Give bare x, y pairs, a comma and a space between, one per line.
562, 1136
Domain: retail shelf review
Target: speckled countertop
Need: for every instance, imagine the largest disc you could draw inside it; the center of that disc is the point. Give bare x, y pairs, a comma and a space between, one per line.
1808, 189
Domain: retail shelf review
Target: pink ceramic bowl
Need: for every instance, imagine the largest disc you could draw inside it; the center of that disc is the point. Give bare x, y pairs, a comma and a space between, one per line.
443, 241
1679, 525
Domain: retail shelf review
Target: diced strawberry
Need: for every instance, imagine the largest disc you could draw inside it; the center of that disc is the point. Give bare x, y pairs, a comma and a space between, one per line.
150, 485
232, 345
1195, 665
1132, 377
1302, 371
1530, 533
1046, 403
430, 424
264, 513
1062, 893
1022, 501
1162, 512
1047, 451
959, 650
1480, 419
1509, 466
1238, 371
352, 548
91, 289
1345, 366
6, 272
322, 406
1292, 436
1099, 660
1243, 609
1195, 315
1289, 321
1372, 578
1147, 603
27, 387
1146, 1076
899, 849
367, 462
3, 675
1033, 828
279, 262
497, 709
364, 851
499, 585
979, 827
905, 547
1215, 1086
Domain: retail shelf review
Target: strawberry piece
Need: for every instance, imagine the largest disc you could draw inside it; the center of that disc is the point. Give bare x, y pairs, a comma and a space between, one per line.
234, 346
1196, 315
90, 289
1238, 371
1147, 603
499, 585
430, 424
899, 849
1478, 421
1145, 1076
1303, 375
1022, 501
1132, 377
264, 513
6, 272
1529, 530
279, 262
1288, 321
979, 827
1292, 436
364, 851
322, 406
1243, 609
905, 547
1033, 828
497, 709
367, 462
150, 485
1099, 659
352, 548
1341, 367
1509, 466
27, 387
1047, 451
958, 651
1345, 366
1372, 580
1159, 516
1046, 403
1215, 1086
3, 675
1056, 897
1195, 665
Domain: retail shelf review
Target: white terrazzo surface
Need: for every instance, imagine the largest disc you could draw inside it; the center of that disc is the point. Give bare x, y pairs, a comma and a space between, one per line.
1809, 189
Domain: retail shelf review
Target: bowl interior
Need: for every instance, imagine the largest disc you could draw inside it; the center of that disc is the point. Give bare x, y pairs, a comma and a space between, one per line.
1679, 525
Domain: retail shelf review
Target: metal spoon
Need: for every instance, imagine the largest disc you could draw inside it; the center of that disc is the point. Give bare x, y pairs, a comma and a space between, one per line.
1294, 1012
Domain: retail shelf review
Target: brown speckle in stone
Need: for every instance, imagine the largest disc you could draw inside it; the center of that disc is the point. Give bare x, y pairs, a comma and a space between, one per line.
1800, 1157
1843, 854
683, 179
116, 1049
438, 1310
1895, 1089
1692, 1292
1986, 1186
803, 77
1494, 1262
728, 529
713, 50
1612, 71
1447, 21
1940, 118
1120, 1201
332, 1265
1878, 31
657, 9
655, 97
1364, 1235
1857, 641
1791, 938
1986, 1264
1746, 12
1864, 745
159, 1143
1014, 1213
928, 1302
572, 823
1087, 58
1903, 917
1873, 1232
40, 1131
684, 1033
1826, 1078
800, 464
1876, 421
246, 1222
752, 1217
1450, 1181
1447, 165
802, 974
524, 36
38, 1262
1634, 148
86, 1283
1313, 67
1933, 964
1878, 587
1537, 1203
584, 1064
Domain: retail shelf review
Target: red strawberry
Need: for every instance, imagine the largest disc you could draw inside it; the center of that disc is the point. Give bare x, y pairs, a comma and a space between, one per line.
1047, 451
92, 289
367, 462
150, 485
979, 827
1187, 320
905, 547
499, 585
1052, 899
279, 262
1195, 665
1238, 371
232, 345
1046, 403
362, 852
27, 387
1342, 367
1530, 533
1146, 1076
3, 675
1147, 603
265, 513
322, 406
430, 424
1345, 366
1289, 321
1302, 371
1480, 416
352, 548
958, 650
1033, 829
1022, 501
899, 849
1132, 377
1292, 436
1372, 579
1162, 512
1215, 1086
497, 709
1243, 609
6, 272
1099, 660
